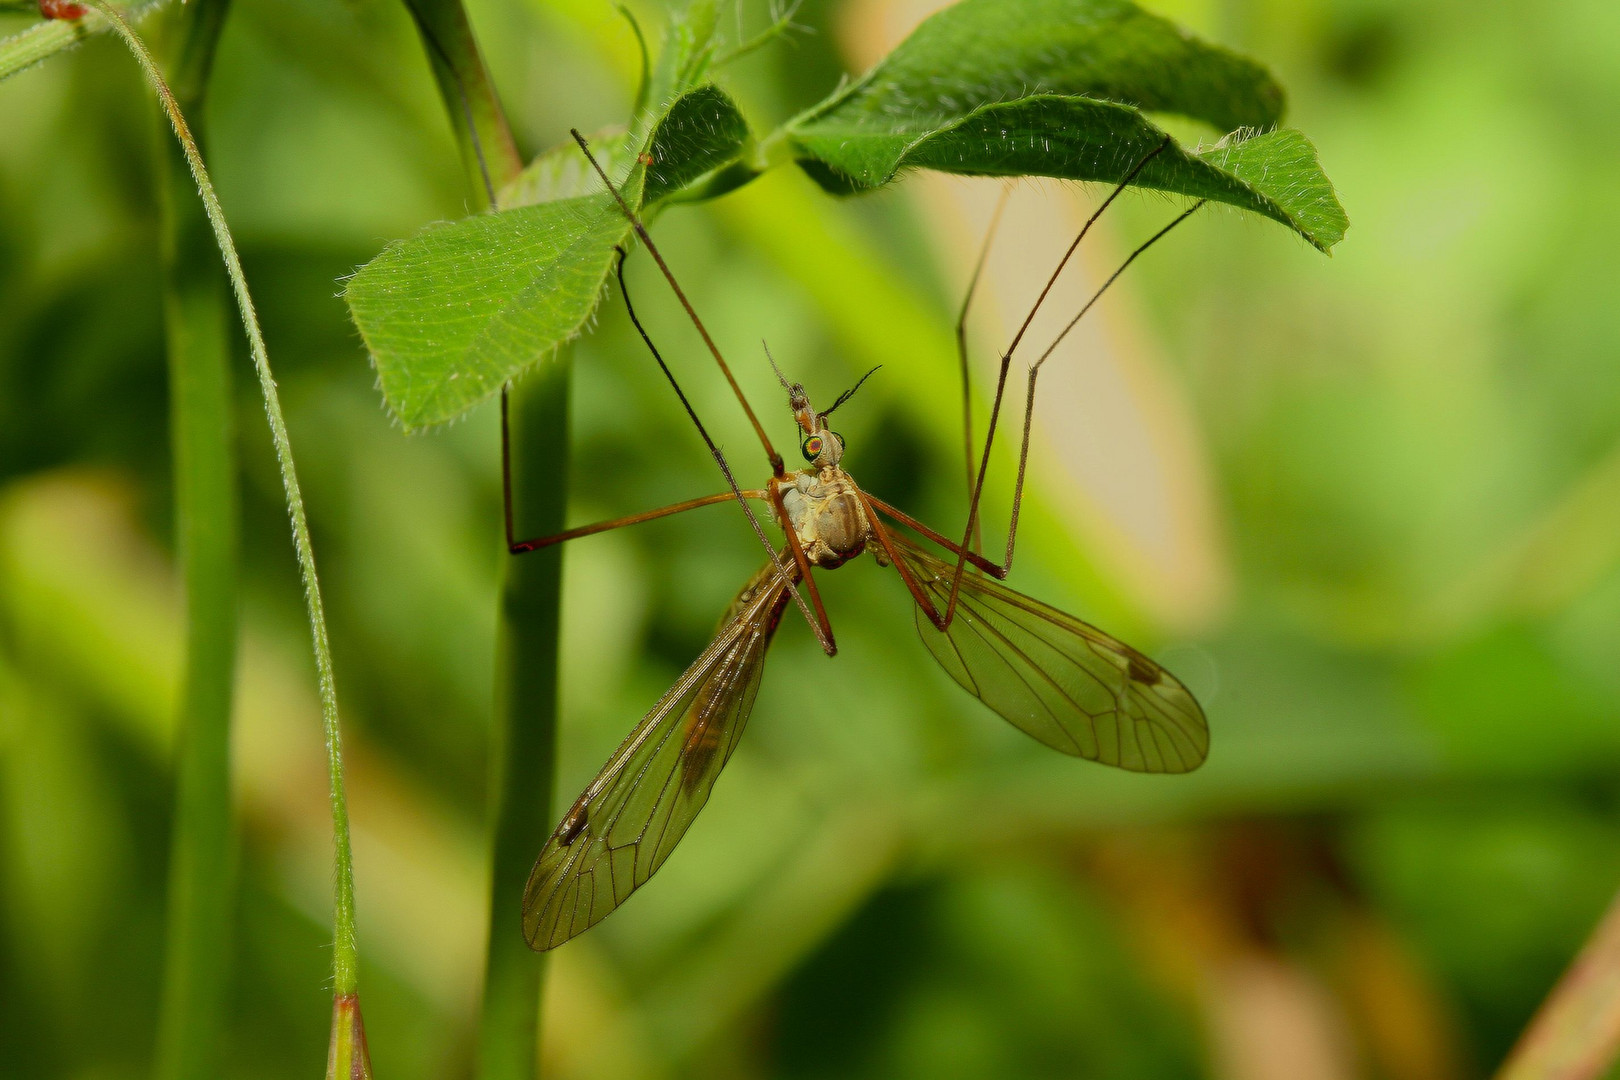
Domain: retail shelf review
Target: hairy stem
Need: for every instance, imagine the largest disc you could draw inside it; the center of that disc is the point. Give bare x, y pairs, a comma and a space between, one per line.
40, 42
345, 956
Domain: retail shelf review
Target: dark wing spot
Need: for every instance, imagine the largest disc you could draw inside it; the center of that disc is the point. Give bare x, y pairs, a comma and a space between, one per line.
574, 823
1141, 669
702, 741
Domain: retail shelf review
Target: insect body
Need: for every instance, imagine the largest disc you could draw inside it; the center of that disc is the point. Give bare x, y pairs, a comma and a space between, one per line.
1066, 683
1061, 680
821, 504
824, 510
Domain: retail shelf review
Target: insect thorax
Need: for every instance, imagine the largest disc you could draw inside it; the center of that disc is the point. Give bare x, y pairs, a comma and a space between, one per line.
825, 511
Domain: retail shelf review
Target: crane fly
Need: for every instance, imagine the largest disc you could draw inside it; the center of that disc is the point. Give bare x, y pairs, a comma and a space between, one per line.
1061, 680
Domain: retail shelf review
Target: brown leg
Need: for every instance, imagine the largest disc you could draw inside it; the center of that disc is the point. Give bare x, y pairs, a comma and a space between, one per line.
521, 546
924, 601
1035, 370
822, 625
714, 450
962, 350
518, 547
771, 455
1006, 363
949, 545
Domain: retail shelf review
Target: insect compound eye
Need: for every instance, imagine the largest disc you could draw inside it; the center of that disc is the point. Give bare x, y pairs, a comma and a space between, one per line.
811, 448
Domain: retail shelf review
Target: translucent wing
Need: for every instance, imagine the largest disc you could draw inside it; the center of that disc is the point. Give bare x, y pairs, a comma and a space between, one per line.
1061, 680
625, 824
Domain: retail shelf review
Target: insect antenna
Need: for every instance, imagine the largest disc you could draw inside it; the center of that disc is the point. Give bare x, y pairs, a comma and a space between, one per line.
719, 455
781, 378
847, 394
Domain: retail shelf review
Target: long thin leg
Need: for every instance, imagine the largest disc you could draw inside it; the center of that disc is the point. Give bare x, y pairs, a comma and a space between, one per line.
518, 547
775, 459
951, 546
962, 350
1006, 361
720, 459
521, 546
823, 626
881, 531
1006, 364
1035, 369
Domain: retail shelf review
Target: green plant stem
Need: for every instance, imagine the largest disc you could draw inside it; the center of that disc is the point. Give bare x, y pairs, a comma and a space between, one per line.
1576, 1032
524, 749
488, 151
196, 302
345, 955
43, 40
523, 744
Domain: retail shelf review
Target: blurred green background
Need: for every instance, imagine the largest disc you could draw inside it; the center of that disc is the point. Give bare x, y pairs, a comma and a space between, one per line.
1367, 507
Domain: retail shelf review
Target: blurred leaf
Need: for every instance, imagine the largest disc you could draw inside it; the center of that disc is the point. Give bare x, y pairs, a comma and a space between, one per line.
563, 173
461, 308
1055, 92
687, 49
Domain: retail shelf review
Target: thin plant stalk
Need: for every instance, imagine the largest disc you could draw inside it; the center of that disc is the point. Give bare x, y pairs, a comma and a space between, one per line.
345, 955
524, 749
42, 40
1575, 1035
196, 316
488, 152
523, 745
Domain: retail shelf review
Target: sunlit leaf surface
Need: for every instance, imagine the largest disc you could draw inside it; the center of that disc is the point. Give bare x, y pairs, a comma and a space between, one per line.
460, 308
980, 52
1060, 92
452, 313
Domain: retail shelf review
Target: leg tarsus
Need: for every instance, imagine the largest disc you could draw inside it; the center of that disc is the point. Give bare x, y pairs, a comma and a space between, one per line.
1006, 361
962, 350
521, 546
